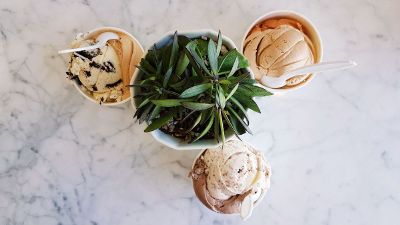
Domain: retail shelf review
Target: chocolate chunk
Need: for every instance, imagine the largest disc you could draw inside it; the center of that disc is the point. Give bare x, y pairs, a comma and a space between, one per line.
114, 84
94, 87
87, 73
89, 54
95, 65
108, 67
69, 74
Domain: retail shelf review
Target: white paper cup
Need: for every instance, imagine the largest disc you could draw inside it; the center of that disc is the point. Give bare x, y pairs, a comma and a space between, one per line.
94, 33
263, 192
166, 139
309, 30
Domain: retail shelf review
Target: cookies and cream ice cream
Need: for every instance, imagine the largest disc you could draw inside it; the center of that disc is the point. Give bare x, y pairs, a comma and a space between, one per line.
224, 176
276, 46
104, 73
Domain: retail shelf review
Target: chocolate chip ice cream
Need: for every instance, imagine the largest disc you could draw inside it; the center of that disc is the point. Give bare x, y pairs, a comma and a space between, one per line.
104, 73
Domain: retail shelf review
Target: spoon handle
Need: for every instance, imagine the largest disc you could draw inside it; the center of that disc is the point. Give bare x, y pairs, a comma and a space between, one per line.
319, 67
91, 47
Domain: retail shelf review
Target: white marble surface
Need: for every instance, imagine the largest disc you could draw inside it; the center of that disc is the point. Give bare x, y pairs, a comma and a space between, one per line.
334, 146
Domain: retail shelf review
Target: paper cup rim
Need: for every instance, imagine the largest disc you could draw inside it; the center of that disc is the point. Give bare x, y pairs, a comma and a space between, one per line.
78, 87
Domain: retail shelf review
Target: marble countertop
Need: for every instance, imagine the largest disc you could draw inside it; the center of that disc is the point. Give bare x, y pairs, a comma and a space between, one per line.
334, 146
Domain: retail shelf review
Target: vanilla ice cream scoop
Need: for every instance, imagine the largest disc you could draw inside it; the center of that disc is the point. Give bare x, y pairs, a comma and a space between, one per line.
278, 47
224, 176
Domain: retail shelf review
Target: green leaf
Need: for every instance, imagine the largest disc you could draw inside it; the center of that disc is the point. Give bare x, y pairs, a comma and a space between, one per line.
232, 92
234, 67
167, 76
145, 113
183, 40
154, 113
216, 126
219, 42
247, 101
196, 70
174, 50
144, 71
183, 62
206, 115
195, 90
227, 61
248, 81
158, 69
207, 128
212, 56
147, 66
201, 47
167, 102
191, 47
221, 126
237, 103
221, 97
157, 123
196, 122
223, 81
238, 79
256, 91
197, 105
165, 53
231, 125
147, 100
232, 112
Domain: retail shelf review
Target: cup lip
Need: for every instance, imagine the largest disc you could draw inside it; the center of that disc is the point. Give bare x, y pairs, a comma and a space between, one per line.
166, 139
77, 86
305, 22
263, 193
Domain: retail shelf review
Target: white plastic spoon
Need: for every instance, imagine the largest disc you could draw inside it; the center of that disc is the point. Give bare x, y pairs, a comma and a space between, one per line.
101, 41
277, 82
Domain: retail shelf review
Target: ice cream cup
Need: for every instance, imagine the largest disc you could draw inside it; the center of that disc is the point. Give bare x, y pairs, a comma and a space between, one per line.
94, 33
255, 203
166, 139
309, 29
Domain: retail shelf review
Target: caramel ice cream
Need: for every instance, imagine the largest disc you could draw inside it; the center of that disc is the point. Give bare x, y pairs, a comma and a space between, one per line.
224, 176
276, 46
104, 73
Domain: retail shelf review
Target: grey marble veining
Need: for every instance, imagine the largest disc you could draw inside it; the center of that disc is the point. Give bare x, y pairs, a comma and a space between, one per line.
334, 146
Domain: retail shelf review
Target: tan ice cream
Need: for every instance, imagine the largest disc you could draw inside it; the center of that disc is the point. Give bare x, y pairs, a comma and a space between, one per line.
104, 73
224, 176
276, 46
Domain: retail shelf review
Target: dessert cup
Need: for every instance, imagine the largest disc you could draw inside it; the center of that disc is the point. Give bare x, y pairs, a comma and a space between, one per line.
309, 30
94, 33
256, 201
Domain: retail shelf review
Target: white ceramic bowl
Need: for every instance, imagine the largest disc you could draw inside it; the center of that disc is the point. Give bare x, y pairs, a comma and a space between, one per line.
310, 31
166, 139
89, 35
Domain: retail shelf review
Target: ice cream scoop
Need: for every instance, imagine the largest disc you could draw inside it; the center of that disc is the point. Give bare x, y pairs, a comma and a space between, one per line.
277, 46
223, 177
103, 73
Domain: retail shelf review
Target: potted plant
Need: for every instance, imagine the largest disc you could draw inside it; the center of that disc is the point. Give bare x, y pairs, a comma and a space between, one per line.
193, 90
